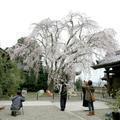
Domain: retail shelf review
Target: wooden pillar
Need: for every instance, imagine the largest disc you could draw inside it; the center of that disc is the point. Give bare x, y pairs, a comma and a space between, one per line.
108, 80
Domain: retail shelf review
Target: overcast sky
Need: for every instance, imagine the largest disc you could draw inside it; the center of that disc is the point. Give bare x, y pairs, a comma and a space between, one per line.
16, 16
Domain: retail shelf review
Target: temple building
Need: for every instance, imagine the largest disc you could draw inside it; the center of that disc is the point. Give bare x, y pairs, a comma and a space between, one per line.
111, 64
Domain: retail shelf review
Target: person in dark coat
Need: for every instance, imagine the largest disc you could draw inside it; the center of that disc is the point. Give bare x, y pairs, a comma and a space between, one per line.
63, 96
17, 103
85, 102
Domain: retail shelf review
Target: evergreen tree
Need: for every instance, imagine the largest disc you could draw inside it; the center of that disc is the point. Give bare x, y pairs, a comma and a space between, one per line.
78, 84
42, 78
30, 80
10, 75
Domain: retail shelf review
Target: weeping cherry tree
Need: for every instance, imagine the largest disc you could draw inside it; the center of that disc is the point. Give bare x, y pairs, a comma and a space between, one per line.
74, 41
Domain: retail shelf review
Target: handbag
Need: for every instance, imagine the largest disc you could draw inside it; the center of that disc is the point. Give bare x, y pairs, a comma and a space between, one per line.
93, 98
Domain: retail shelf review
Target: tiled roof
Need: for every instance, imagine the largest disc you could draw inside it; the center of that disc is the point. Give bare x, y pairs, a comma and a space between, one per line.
110, 60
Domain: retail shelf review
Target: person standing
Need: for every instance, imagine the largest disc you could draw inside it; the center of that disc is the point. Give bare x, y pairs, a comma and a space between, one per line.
17, 103
63, 96
88, 96
85, 102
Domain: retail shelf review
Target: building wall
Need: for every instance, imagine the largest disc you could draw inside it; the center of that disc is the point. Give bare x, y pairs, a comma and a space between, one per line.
116, 82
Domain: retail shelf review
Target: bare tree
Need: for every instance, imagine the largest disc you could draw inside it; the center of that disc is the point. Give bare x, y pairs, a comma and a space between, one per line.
71, 42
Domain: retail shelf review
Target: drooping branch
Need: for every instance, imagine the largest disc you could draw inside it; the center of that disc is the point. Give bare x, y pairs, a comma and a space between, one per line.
71, 41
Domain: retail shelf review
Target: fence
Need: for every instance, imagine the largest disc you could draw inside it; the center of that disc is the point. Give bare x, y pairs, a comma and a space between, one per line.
100, 93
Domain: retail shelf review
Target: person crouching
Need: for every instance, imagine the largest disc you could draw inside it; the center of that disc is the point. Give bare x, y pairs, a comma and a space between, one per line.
17, 103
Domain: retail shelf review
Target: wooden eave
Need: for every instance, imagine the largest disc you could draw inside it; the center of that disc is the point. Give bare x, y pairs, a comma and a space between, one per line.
107, 65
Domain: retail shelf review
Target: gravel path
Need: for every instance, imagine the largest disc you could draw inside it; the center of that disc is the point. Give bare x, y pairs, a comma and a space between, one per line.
46, 110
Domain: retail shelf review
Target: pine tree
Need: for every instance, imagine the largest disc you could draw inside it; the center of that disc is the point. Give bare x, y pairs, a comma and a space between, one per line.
42, 78
30, 80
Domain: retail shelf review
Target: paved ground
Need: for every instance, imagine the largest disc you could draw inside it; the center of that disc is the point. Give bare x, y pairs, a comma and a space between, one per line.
47, 110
